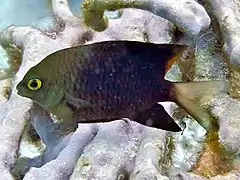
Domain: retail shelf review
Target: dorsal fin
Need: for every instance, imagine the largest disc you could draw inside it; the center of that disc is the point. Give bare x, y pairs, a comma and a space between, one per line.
162, 54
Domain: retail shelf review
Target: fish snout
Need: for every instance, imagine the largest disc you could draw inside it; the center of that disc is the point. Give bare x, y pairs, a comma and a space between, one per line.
20, 89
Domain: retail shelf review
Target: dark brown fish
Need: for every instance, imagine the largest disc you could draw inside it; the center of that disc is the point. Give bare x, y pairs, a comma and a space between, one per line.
110, 80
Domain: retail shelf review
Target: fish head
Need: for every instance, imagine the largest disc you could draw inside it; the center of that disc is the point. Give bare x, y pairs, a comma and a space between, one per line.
45, 84
40, 85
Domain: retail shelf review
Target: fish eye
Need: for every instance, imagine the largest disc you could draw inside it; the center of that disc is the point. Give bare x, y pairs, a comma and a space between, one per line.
34, 84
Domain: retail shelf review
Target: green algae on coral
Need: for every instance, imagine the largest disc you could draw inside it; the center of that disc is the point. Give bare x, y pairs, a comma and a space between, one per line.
5, 89
187, 65
166, 160
14, 60
82, 167
93, 11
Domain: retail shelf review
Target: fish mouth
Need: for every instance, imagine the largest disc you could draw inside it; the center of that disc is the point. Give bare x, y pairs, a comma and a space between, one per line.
20, 90
19, 93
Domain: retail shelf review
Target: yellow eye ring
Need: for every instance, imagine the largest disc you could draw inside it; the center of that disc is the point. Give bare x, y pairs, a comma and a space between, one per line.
34, 84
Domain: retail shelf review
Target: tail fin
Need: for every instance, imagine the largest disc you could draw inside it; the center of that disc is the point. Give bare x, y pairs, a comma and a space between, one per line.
189, 96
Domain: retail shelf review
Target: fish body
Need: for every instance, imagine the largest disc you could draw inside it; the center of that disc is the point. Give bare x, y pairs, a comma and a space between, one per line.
107, 81
114, 82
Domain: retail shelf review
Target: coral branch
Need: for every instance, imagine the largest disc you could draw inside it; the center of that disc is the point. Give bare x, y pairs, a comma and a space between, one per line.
111, 153
139, 24
11, 130
15, 113
150, 154
229, 133
227, 14
17, 36
63, 13
64, 164
4, 92
188, 15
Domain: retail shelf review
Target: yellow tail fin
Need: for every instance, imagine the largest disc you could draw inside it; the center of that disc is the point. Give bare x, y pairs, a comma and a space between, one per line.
189, 96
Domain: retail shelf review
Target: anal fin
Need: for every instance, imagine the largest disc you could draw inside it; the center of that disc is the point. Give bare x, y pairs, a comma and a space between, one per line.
157, 117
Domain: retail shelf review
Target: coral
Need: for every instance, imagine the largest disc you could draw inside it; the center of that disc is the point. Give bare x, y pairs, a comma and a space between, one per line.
121, 149
227, 14
193, 19
229, 125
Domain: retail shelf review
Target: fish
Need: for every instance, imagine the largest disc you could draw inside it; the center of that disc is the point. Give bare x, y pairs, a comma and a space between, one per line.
111, 80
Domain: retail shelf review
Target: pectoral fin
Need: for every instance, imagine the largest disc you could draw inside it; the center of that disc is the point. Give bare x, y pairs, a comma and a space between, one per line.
75, 103
157, 117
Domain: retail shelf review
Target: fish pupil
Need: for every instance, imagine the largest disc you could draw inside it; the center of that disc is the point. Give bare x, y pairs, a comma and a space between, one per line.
34, 84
